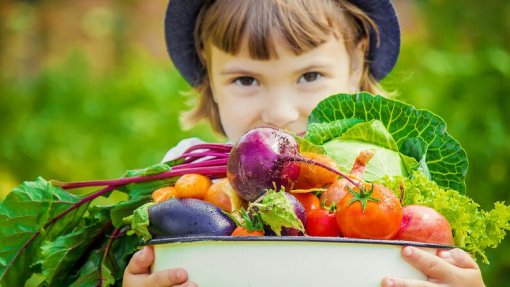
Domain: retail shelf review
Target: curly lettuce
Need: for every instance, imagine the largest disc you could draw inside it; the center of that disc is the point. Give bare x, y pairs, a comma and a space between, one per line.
474, 229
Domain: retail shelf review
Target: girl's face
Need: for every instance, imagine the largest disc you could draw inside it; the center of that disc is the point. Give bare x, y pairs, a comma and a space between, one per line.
280, 92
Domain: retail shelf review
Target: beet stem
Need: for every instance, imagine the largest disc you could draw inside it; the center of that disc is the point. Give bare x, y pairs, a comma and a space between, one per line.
319, 164
212, 162
212, 147
204, 156
207, 171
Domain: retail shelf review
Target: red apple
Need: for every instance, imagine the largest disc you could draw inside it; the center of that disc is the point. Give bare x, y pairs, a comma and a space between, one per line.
424, 224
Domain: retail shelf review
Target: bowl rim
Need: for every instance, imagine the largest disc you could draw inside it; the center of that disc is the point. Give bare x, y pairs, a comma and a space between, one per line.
188, 239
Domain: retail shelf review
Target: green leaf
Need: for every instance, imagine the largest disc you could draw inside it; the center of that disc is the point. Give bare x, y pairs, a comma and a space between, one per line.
277, 212
153, 169
139, 221
60, 256
90, 273
138, 194
417, 149
385, 162
25, 223
322, 132
445, 158
110, 267
371, 132
307, 146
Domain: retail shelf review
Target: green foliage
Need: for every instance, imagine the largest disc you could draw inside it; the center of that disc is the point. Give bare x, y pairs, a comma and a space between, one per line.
397, 124
68, 123
276, 211
25, 223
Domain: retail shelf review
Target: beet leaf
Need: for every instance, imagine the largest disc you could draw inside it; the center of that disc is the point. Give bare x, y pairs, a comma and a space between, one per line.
67, 240
26, 222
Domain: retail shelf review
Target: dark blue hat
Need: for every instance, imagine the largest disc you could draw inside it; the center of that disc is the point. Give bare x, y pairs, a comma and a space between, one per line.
181, 16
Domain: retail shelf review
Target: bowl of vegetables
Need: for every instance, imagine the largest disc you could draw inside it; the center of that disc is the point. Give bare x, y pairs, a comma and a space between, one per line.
370, 175
288, 203
259, 228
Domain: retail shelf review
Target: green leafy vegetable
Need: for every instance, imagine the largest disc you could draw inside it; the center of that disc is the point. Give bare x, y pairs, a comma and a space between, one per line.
277, 212
445, 159
474, 229
139, 222
66, 240
27, 219
60, 256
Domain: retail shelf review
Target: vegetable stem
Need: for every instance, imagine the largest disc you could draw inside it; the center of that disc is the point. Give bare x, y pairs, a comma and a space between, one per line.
212, 171
319, 164
216, 147
212, 162
114, 236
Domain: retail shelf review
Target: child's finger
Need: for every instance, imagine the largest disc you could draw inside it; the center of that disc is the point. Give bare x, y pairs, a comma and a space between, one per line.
140, 262
169, 277
458, 257
398, 282
431, 265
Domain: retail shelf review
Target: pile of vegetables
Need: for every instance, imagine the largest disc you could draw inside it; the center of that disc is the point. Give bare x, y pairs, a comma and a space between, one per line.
368, 167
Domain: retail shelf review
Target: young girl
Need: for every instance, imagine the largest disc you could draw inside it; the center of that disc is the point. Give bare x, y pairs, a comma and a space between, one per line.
269, 63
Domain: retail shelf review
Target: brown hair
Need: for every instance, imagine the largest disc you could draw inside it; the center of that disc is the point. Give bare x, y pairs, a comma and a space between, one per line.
303, 24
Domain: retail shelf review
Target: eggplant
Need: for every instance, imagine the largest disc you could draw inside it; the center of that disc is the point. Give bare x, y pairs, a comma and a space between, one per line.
188, 217
299, 210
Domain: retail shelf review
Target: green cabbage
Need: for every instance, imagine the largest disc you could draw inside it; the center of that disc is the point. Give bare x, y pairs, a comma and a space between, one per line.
404, 138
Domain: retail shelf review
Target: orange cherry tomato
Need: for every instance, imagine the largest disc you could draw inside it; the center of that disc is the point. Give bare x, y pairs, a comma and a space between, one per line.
192, 185
312, 176
163, 193
223, 195
309, 201
241, 231
373, 212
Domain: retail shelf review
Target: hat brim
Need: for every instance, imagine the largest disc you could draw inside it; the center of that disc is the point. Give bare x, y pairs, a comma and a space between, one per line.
181, 17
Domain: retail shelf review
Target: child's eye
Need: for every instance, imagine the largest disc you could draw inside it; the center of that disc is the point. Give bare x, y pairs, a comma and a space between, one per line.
245, 81
309, 77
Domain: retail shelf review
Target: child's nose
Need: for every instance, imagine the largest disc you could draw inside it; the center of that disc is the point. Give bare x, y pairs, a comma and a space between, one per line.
280, 111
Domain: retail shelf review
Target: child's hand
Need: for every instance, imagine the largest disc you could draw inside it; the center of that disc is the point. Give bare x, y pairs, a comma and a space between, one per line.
449, 268
137, 273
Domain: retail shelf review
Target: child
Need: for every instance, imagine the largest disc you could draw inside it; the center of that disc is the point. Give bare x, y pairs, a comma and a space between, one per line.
268, 63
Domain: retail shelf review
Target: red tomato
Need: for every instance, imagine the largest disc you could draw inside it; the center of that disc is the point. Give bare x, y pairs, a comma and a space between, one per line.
321, 222
309, 201
373, 213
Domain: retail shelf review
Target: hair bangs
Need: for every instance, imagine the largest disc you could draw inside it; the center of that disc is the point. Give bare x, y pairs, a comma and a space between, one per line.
301, 25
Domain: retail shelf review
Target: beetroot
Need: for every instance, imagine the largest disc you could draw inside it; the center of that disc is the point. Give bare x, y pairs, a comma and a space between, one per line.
424, 224
266, 158
259, 161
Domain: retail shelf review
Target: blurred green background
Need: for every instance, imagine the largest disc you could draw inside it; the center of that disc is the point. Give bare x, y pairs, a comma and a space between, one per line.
87, 91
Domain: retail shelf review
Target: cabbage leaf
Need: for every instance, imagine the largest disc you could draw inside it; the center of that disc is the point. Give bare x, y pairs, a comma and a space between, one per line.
414, 134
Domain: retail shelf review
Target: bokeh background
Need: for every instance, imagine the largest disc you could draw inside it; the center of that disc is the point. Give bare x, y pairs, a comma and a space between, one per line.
87, 90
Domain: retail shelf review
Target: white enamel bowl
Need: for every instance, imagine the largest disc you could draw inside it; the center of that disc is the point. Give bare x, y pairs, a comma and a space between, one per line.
285, 261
